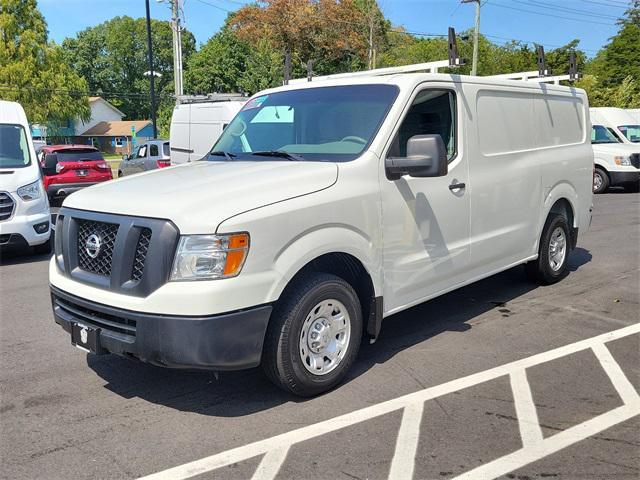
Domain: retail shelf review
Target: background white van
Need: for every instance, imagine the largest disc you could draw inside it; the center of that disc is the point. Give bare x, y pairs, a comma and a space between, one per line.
197, 122
25, 218
622, 123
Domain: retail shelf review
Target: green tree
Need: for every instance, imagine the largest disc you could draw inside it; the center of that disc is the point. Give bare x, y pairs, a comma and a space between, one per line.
33, 71
616, 67
112, 57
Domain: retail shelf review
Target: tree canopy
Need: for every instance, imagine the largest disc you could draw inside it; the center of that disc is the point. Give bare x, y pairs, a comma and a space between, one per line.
112, 57
33, 71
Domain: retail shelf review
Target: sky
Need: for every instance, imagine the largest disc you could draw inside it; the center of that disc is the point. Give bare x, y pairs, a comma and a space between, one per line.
551, 23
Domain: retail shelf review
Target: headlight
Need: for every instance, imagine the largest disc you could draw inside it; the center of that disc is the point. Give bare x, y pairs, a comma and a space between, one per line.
622, 161
207, 257
31, 191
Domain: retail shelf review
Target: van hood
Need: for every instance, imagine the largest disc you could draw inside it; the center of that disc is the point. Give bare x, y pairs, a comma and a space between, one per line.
13, 178
616, 148
198, 196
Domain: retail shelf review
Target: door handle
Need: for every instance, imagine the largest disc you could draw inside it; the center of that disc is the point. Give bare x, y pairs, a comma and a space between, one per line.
457, 186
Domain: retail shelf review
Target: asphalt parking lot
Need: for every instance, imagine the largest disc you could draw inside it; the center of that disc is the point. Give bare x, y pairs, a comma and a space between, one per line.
501, 379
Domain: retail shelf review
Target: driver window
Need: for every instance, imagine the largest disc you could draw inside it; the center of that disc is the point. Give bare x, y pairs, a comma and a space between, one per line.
432, 112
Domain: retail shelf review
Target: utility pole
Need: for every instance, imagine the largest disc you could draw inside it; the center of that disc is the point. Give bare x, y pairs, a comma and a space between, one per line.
177, 46
151, 75
474, 65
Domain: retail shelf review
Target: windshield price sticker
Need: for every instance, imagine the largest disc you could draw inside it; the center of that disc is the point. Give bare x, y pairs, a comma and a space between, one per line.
256, 102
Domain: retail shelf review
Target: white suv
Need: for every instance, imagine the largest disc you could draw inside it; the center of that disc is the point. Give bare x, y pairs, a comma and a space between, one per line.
322, 209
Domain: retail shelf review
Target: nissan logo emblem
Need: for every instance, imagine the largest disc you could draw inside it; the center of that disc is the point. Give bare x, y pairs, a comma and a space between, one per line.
92, 245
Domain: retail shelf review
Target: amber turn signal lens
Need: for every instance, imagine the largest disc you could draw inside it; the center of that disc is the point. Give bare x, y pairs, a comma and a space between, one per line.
236, 253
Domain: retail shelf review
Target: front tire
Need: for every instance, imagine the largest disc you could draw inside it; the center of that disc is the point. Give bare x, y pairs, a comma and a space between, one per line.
314, 335
600, 181
552, 263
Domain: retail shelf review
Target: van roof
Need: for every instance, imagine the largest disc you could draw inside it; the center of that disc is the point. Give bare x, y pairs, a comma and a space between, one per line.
12, 112
410, 80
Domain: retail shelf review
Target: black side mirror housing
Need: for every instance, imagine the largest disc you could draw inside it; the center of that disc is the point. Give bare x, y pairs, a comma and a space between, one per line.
426, 157
50, 163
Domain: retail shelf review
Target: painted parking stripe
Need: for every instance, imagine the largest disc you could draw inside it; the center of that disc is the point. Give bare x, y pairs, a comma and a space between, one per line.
270, 464
518, 458
530, 430
403, 461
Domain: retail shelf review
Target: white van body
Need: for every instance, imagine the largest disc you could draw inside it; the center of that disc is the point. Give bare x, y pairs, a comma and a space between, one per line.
195, 127
24, 207
503, 162
620, 121
616, 163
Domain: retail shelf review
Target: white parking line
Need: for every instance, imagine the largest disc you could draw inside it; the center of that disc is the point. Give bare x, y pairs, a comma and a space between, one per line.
531, 451
270, 464
530, 430
403, 461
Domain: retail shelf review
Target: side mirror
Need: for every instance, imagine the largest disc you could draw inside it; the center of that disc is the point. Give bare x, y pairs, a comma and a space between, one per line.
50, 163
426, 157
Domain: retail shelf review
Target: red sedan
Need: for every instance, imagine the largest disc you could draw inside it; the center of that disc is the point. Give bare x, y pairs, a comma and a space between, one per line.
67, 168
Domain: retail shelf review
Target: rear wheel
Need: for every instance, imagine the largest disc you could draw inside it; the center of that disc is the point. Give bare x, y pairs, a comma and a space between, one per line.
553, 252
600, 181
314, 335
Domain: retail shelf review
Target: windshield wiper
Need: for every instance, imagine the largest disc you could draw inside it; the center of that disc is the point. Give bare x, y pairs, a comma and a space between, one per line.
279, 154
221, 153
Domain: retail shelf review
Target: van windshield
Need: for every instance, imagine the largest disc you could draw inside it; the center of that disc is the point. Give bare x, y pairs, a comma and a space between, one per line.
600, 134
14, 147
325, 123
632, 132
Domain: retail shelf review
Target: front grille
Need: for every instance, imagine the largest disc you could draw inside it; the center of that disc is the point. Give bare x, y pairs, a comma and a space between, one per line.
141, 254
635, 160
106, 232
121, 325
6, 206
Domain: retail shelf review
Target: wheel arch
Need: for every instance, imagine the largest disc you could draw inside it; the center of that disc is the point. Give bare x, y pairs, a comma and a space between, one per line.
348, 265
562, 200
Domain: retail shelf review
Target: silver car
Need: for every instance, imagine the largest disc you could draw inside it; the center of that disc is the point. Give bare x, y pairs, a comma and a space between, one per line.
146, 156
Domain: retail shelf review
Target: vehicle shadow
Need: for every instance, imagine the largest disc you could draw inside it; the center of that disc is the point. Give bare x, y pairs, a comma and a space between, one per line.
243, 393
18, 257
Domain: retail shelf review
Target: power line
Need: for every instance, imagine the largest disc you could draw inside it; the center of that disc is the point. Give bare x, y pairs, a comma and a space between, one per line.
79, 93
550, 6
549, 15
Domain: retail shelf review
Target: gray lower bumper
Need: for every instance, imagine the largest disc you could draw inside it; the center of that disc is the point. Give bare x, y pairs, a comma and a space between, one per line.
231, 341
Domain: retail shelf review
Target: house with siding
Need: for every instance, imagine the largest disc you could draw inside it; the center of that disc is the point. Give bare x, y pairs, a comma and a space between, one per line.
105, 129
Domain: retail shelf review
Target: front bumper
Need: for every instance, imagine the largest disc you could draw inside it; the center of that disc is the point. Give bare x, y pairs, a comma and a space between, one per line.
624, 178
229, 341
56, 190
22, 226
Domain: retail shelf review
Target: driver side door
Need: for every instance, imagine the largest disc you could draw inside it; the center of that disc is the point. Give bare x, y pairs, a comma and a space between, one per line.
425, 221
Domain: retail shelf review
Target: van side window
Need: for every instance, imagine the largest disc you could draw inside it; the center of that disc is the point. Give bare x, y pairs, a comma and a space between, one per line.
153, 149
432, 112
142, 152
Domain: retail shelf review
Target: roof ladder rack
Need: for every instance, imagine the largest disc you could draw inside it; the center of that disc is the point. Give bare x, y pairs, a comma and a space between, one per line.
430, 67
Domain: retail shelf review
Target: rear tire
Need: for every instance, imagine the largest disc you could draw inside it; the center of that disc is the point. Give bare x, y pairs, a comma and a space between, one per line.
552, 264
600, 181
320, 307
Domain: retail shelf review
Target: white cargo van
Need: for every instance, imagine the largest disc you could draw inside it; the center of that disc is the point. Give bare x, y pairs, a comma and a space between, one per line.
323, 208
197, 122
24, 207
619, 121
616, 164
